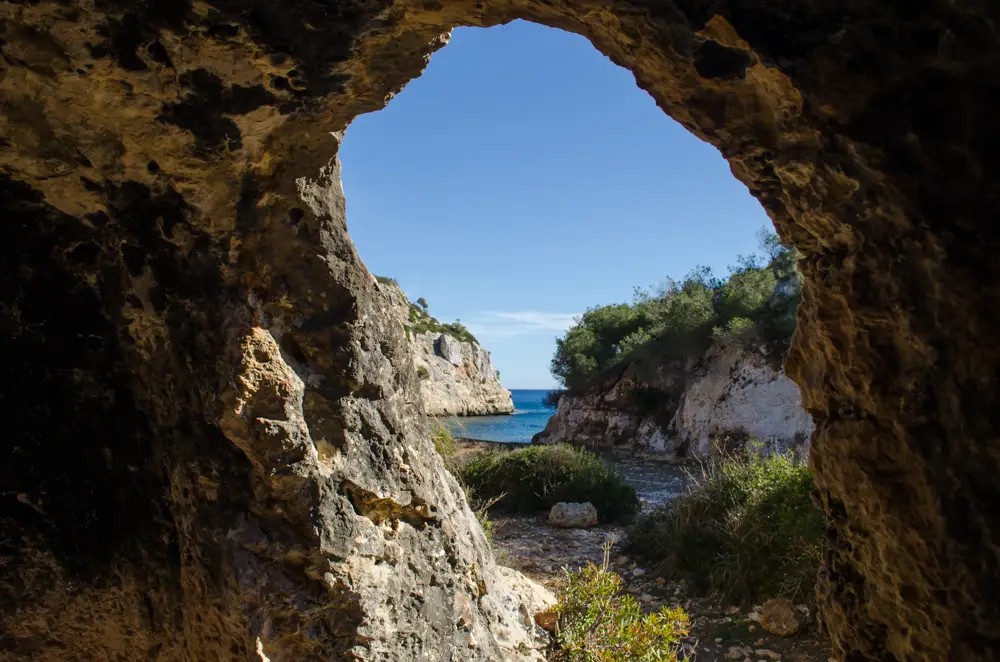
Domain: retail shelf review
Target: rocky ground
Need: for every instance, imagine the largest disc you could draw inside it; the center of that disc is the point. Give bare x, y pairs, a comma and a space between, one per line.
718, 631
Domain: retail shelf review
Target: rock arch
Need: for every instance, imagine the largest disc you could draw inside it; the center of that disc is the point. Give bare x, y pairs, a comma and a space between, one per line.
210, 451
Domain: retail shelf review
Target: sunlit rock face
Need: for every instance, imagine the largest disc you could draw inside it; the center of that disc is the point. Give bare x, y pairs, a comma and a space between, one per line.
679, 409
210, 441
458, 378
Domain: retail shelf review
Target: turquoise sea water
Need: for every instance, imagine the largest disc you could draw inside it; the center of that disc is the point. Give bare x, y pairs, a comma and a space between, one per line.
529, 417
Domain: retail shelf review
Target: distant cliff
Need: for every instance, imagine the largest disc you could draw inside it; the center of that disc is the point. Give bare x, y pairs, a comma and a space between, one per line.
687, 364
456, 374
683, 407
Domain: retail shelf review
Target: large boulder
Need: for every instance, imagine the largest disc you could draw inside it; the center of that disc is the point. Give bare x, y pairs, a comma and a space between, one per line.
449, 348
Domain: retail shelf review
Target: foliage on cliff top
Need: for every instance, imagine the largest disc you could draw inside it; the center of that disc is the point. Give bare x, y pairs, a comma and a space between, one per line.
421, 321
747, 530
536, 478
599, 622
678, 319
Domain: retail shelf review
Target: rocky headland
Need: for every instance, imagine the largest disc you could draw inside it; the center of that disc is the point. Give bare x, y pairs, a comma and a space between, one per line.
457, 377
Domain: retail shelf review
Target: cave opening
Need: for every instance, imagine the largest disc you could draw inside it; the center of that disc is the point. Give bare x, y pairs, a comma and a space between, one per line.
865, 131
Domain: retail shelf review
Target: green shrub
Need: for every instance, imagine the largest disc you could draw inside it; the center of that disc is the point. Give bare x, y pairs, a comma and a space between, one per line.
444, 441
680, 319
422, 372
535, 478
748, 529
599, 622
738, 328
421, 321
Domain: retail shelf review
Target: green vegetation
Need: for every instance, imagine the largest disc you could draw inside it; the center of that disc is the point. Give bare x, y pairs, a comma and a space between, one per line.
536, 478
444, 441
599, 622
748, 530
422, 322
422, 372
679, 319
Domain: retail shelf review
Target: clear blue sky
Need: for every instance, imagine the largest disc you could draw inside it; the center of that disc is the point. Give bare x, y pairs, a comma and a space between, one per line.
523, 178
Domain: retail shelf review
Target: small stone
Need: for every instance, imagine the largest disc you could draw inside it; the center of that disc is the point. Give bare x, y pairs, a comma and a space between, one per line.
754, 616
638, 572
733, 610
646, 597
735, 653
764, 652
752, 628
718, 640
779, 617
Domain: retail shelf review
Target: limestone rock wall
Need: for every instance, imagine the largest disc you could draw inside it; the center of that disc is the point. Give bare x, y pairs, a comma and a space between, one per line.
680, 407
460, 379
611, 415
736, 389
457, 378
175, 245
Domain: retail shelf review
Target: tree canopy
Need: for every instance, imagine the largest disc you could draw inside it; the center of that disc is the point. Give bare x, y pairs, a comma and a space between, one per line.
682, 318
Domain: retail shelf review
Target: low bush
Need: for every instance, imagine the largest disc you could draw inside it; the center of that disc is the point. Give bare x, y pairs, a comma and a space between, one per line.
599, 622
423, 372
748, 530
444, 441
537, 477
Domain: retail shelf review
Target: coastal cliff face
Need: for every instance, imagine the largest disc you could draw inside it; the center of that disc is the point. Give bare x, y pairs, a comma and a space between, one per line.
457, 378
212, 451
736, 391
456, 374
631, 409
681, 407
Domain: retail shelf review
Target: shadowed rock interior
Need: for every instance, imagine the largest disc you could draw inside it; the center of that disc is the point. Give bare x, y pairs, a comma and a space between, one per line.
211, 449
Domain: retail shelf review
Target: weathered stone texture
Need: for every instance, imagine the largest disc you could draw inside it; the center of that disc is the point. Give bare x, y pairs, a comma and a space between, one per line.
460, 379
739, 391
684, 408
209, 448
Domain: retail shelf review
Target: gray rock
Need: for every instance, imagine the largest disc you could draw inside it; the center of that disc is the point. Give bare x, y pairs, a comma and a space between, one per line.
449, 349
456, 378
567, 515
468, 389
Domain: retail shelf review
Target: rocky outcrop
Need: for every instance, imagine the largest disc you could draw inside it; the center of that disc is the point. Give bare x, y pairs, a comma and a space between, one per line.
457, 378
738, 390
680, 408
630, 409
175, 246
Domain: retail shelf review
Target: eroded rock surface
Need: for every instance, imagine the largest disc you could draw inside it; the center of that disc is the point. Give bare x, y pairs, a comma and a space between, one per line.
738, 390
683, 408
460, 379
630, 409
172, 215
457, 377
